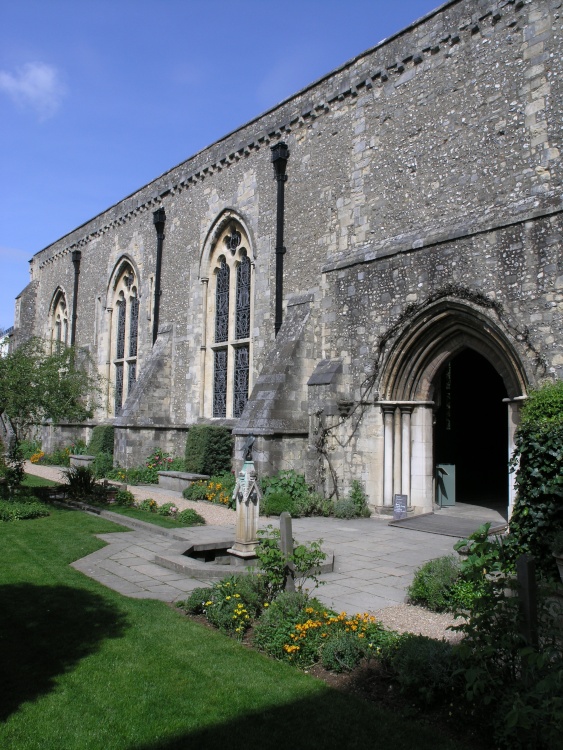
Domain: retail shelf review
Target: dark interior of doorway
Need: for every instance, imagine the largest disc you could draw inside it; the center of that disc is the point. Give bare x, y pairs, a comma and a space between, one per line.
471, 429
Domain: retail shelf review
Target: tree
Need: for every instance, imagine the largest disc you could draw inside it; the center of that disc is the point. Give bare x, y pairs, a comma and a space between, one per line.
36, 385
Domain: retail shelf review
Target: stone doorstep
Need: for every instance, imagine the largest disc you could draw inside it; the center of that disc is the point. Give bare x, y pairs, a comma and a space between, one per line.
176, 559
177, 481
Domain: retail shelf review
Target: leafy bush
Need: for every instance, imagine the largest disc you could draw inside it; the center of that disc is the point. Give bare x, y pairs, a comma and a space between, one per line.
189, 517
342, 652
288, 482
59, 457
433, 582
80, 482
167, 509
276, 625
345, 508
22, 508
313, 504
424, 667
101, 440
149, 505
195, 603
102, 465
209, 450
359, 498
516, 688
275, 503
303, 563
30, 448
217, 489
125, 498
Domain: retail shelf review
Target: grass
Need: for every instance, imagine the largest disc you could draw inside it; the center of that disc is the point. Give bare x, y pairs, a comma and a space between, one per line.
85, 668
30, 480
142, 515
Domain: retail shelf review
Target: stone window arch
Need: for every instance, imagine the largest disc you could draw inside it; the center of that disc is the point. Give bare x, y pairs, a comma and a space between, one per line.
124, 334
228, 345
59, 321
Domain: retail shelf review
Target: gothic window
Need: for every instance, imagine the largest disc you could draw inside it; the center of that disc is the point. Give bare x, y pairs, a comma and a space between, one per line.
59, 322
229, 314
125, 332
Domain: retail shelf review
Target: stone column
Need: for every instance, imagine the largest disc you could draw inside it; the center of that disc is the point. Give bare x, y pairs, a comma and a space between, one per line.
406, 412
388, 436
514, 405
397, 452
247, 495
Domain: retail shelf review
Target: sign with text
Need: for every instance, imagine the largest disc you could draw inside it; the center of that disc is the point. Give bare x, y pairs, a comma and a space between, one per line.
400, 505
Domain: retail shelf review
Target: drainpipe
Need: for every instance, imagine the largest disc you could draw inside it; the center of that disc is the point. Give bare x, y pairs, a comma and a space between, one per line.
280, 155
159, 217
76, 257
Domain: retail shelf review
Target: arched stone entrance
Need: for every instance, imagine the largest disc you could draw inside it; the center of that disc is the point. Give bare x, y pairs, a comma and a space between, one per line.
461, 347
471, 429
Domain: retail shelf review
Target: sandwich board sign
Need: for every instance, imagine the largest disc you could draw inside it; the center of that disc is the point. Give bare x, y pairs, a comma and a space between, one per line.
400, 505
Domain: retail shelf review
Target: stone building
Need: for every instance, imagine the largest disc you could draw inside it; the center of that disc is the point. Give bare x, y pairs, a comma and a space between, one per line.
422, 278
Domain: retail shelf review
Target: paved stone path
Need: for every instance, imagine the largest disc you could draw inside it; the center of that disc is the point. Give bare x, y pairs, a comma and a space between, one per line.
374, 562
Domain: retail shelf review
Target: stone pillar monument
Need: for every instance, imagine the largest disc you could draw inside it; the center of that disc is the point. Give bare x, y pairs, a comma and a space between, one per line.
247, 494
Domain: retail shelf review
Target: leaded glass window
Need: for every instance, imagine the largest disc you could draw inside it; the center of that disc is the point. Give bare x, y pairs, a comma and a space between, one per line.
125, 333
131, 375
222, 302
220, 384
59, 322
243, 299
118, 388
133, 326
120, 329
229, 305
240, 395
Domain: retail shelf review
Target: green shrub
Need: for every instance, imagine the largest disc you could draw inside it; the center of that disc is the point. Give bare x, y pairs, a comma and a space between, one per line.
125, 498
515, 687
195, 603
21, 508
432, 583
101, 440
342, 652
80, 482
231, 604
59, 457
314, 504
289, 482
167, 509
277, 622
217, 489
209, 450
359, 498
149, 505
345, 508
102, 465
29, 448
275, 503
189, 517
304, 561
424, 667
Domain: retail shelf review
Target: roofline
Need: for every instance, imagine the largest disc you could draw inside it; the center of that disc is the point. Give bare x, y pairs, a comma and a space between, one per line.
347, 64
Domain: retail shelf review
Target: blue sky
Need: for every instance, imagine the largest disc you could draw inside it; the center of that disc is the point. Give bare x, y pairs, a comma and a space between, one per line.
99, 97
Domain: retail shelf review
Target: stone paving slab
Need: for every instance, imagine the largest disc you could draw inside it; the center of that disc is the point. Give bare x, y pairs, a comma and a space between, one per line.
374, 563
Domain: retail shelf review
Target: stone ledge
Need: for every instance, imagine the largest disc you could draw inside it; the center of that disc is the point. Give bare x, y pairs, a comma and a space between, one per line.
177, 481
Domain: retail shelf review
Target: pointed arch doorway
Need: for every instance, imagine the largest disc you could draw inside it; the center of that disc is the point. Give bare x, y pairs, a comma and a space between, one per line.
471, 429
452, 383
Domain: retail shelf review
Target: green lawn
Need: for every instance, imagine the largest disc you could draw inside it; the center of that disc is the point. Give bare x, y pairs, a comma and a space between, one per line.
141, 515
30, 480
83, 667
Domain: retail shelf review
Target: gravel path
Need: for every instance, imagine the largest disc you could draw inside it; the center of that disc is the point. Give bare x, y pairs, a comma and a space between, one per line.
406, 618
215, 515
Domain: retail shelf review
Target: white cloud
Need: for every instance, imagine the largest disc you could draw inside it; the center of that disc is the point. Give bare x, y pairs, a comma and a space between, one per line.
35, 85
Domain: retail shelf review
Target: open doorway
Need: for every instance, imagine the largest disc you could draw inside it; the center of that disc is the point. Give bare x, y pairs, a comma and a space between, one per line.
471, 429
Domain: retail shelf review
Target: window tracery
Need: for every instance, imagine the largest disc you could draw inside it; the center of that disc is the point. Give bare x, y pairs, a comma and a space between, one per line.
59, 321
229, 312
124, 340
